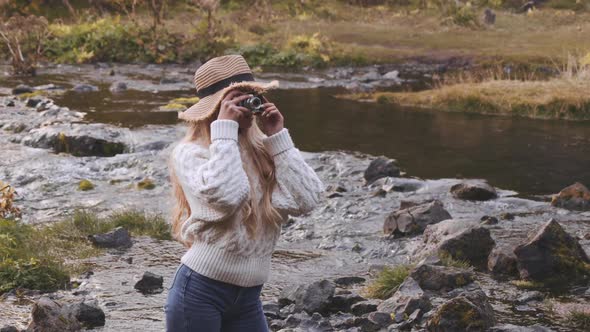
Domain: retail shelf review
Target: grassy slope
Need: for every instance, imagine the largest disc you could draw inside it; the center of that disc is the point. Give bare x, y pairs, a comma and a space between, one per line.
386, 35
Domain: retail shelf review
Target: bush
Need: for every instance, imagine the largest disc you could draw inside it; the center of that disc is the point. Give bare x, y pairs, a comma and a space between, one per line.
23, 38
388, 281
7, 208
34, 257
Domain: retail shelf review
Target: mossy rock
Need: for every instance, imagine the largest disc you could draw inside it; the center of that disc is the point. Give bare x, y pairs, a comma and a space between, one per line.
553, 257
146, 184
85, 185
467, 312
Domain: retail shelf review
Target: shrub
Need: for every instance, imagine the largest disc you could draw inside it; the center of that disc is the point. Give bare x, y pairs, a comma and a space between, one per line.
388, 281
23, 38
7, 208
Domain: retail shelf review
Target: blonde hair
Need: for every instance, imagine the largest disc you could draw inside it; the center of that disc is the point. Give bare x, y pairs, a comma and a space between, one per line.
249, 140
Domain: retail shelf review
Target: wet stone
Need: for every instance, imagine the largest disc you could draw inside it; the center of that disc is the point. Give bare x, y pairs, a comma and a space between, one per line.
150, 283
117, 238
574, 197
84, 88
380, 168
349, 280
467, 312
50, 316
415, 219
22, 88
364, 307
406, 300
502, 261
88, 313
473, 191
432, 277
9, 328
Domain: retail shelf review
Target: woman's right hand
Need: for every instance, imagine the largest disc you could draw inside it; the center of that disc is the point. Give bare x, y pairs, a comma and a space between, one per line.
229, 109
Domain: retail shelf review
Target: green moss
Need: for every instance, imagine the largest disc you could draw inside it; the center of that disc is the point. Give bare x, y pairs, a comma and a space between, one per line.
185, 101
388, 281
146, 184
85, 185
35, 93
173, 107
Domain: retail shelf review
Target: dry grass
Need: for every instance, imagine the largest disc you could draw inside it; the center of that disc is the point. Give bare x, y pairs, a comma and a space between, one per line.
389, 34
563, 97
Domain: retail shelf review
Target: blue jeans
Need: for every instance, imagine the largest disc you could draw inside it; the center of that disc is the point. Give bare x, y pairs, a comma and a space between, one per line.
197, 303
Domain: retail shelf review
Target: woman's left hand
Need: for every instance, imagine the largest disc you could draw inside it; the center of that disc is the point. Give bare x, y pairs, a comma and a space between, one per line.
272, 119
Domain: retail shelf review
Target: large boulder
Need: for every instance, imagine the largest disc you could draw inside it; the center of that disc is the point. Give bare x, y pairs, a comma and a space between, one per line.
433, 277
473, 191
552, 256
466, 312
79, 139
574, 197
415, 219
51, 316
461, 239
380, 168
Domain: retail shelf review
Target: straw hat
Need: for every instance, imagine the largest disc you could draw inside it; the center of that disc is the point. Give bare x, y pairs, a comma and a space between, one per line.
215, 79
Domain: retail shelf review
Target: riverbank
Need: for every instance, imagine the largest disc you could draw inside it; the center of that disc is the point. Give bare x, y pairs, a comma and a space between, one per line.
292, 35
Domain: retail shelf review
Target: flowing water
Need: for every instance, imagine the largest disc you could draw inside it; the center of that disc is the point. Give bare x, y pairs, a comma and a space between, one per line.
526, 155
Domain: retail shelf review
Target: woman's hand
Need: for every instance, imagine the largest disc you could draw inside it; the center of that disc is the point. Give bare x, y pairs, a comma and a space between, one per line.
229, 109
272, 119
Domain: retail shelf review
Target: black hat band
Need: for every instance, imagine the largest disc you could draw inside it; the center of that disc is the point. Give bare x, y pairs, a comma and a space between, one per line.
219, 85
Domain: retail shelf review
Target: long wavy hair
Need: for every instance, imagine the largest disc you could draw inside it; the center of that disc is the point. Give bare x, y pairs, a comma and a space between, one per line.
250, 140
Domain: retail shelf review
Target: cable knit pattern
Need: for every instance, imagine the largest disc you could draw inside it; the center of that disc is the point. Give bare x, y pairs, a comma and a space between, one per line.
217, 181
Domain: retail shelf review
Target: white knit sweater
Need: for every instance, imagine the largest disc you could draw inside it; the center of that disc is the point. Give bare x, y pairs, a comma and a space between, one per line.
217, 181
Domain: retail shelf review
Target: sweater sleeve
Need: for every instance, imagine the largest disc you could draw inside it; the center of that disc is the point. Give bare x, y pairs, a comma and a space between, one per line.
298, 190
213, 179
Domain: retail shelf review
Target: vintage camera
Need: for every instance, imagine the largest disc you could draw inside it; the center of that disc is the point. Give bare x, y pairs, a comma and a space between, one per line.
253, 103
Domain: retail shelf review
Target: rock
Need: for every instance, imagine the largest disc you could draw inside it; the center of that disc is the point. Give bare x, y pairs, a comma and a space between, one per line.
89, 314
364, 307
347, 281
392, 75
50, 316
314, 297
380, 319
9, 103
552, 256
150, 283
502, 261
516, 328
79, 139
574, 197
432, 277
467, 312
117, 238
415, 219
33, 102
489, 17
527, 297
171, 80
461, 239
9, 328
84, 88
380, 168
118, 87
507, 216
271, 309
487, 220
406, 299
22, 88
474, 191
344, 302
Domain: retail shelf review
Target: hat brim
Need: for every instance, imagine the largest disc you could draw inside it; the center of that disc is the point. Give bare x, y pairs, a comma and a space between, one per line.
209, 105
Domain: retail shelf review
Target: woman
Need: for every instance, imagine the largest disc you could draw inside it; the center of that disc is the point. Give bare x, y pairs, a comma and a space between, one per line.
235, 183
